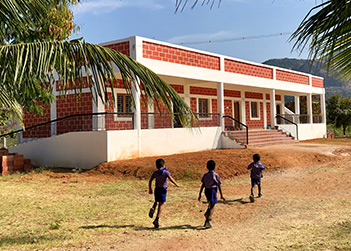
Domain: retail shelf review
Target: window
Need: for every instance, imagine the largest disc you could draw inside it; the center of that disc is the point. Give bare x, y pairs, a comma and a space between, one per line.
254, 110
203, 107
124, 104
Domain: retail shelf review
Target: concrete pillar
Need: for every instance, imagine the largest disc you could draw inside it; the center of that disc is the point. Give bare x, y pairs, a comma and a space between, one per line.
273, 108
53, 114
309, 108
187, 94
264, 111
243, 108
297, 109
220, 103
297, 104
323, 108
137, 114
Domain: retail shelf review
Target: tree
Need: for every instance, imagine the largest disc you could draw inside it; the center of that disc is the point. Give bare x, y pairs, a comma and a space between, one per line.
29, 68
326, 31
339, 111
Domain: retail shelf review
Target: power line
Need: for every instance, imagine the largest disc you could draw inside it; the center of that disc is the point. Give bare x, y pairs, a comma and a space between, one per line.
236, 39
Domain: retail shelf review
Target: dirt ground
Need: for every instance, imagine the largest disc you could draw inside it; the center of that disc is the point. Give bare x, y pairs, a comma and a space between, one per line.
306, 196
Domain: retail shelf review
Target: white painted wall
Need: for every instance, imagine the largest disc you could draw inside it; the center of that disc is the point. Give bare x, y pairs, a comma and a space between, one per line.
306, 131
122, 144
179, 140
77, 149
87, 149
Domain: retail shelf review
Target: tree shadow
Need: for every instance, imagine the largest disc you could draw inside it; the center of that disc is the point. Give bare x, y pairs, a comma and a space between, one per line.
178, 227
106, 226
231, 202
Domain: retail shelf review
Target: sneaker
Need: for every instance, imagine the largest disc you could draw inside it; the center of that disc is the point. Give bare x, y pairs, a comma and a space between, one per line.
259, 195
151, 212
252, 198
207, 224
156, 225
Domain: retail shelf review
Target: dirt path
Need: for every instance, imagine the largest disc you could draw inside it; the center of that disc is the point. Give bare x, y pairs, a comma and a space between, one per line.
303, 204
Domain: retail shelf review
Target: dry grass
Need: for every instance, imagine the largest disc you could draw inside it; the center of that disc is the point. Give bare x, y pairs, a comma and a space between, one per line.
301, 209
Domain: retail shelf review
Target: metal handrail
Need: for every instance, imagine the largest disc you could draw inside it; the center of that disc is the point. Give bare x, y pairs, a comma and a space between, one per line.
66, 117
247, 128
297, 127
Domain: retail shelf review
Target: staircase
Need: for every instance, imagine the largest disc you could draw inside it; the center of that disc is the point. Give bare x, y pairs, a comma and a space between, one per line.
259, 138
13, 162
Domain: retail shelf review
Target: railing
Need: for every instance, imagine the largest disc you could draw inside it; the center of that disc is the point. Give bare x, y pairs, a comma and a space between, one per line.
299, 118
164, 120
107, 121
237, 125
75, 123
287, 121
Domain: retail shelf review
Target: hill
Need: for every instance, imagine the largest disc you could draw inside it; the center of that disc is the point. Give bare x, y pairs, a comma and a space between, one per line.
331, 83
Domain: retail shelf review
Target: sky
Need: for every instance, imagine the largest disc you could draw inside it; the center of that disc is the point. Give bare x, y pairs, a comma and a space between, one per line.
219, 30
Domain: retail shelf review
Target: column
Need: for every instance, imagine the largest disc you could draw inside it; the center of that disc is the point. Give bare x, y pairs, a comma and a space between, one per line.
243, 107
297, 109
264, 111
220, 103
273, 108
53, 114
187, 94
323, 108
309, 108
137, 114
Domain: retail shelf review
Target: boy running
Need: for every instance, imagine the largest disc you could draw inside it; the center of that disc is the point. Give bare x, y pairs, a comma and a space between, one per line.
256, 175
210, 181
161, 176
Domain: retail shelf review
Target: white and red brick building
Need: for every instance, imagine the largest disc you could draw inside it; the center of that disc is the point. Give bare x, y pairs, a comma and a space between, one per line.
212, 85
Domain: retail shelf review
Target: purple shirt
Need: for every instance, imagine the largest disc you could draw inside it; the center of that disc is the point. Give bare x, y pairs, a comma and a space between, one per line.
211, 179
256, 170
161, 177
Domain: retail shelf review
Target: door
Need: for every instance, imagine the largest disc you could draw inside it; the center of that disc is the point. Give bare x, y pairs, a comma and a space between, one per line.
237, 114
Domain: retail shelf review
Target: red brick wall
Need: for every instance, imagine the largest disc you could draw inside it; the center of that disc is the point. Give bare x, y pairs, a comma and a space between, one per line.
278, 97
317, 82
122, 47
214, 106
292, 77
254, 123
268, 96
179, 56
144, 109
163, 121
30, 120
247, 69
68, 105
203, 91
178, 88
231, 93
253, 95
83, 85
193, 104
268, 109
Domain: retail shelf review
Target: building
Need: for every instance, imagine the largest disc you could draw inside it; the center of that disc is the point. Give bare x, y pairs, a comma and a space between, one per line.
212, 85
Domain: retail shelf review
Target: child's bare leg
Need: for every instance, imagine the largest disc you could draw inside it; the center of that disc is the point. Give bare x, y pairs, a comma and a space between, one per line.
211, 210
252, 187
259, 190
159, 209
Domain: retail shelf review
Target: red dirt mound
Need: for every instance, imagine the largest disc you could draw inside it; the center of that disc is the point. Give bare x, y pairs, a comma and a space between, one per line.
230, 162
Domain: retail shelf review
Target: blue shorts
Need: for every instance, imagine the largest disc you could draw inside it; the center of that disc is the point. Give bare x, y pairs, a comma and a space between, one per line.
160, 194
211, 195
255, 181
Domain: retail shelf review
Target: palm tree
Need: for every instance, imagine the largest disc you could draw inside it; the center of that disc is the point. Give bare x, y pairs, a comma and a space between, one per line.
24, 67
326, 31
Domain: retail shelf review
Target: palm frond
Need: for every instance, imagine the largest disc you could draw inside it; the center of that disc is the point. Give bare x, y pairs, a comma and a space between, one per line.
326, 30
72, 62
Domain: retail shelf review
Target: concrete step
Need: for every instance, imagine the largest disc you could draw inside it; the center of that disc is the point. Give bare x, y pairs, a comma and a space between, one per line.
258, 138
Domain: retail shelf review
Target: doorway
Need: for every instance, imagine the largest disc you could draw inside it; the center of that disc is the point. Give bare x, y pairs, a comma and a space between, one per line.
237, 114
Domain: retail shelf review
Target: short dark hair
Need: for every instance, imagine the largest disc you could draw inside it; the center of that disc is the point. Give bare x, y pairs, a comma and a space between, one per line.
160, 163
211, 164
256, 157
